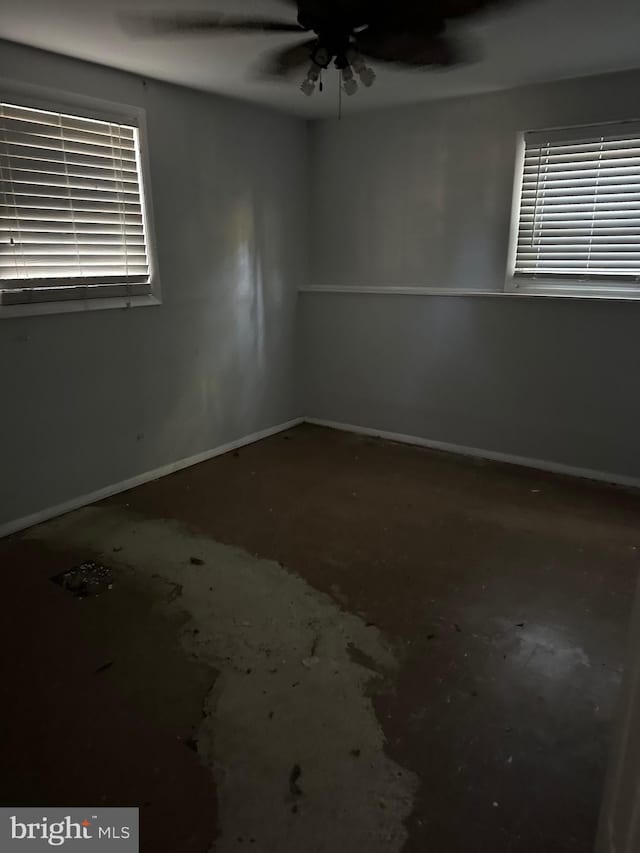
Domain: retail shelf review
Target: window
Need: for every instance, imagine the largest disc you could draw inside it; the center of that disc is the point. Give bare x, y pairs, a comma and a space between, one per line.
578, 225
73, 223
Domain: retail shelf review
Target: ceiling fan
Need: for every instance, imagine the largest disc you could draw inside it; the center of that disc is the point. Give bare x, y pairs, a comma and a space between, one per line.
346, 33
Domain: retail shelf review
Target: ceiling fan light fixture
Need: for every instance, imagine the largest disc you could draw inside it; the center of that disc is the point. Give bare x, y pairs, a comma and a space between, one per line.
367, 77
308, 87
366, 74
348, 81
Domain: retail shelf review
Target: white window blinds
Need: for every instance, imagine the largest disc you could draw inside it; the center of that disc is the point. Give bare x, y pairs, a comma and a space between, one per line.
71, 207
580, 205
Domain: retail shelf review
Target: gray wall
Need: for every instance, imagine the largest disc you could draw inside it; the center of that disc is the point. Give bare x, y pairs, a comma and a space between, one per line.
421, 196
92, 399
418, 196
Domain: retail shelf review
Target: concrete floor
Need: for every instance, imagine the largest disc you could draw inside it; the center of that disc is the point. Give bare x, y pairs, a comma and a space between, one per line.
326, 643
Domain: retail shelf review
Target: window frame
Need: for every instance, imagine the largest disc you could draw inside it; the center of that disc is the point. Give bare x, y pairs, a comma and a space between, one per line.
559, 284
74, 104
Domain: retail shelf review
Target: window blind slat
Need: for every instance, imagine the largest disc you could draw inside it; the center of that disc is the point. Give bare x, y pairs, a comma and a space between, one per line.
585, 240
36, 272
562, 208
567, 253
554, 263
34, 171
40, 131
24, 195
57, 176
77, 205
610, 160
580, 217
585, 173
70, 205
14, 155
10, 255
44, 118
61, 239
72, 230
604, 230
573, 196
18, 215
22, 179
593, 185
50, 143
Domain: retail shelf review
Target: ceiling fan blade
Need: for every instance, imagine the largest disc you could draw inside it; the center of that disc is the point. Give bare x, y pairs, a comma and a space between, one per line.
283, 62
414, 9
418, 50
197, 23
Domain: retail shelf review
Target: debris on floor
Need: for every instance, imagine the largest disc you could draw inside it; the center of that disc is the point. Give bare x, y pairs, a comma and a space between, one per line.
89, 579
294, 788
175, 592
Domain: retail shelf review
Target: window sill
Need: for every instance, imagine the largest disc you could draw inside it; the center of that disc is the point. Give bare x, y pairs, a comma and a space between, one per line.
572, 288
508, 293
70, 306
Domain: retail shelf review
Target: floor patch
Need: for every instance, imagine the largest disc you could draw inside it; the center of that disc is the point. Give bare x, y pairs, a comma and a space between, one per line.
291, 706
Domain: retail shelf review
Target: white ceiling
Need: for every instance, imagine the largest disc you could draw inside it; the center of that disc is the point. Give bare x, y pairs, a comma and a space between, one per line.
538, 40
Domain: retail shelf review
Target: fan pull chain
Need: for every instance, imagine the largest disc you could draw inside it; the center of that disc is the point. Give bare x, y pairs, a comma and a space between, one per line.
339, 99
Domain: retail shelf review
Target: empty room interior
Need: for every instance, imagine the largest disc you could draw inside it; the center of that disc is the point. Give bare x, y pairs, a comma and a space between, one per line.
320, 426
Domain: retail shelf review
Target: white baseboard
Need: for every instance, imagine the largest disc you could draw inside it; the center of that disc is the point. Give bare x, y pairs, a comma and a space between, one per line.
108, 491
479, 453
139, 480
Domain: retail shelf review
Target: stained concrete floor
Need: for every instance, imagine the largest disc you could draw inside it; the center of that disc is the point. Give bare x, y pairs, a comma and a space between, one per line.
326, 643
